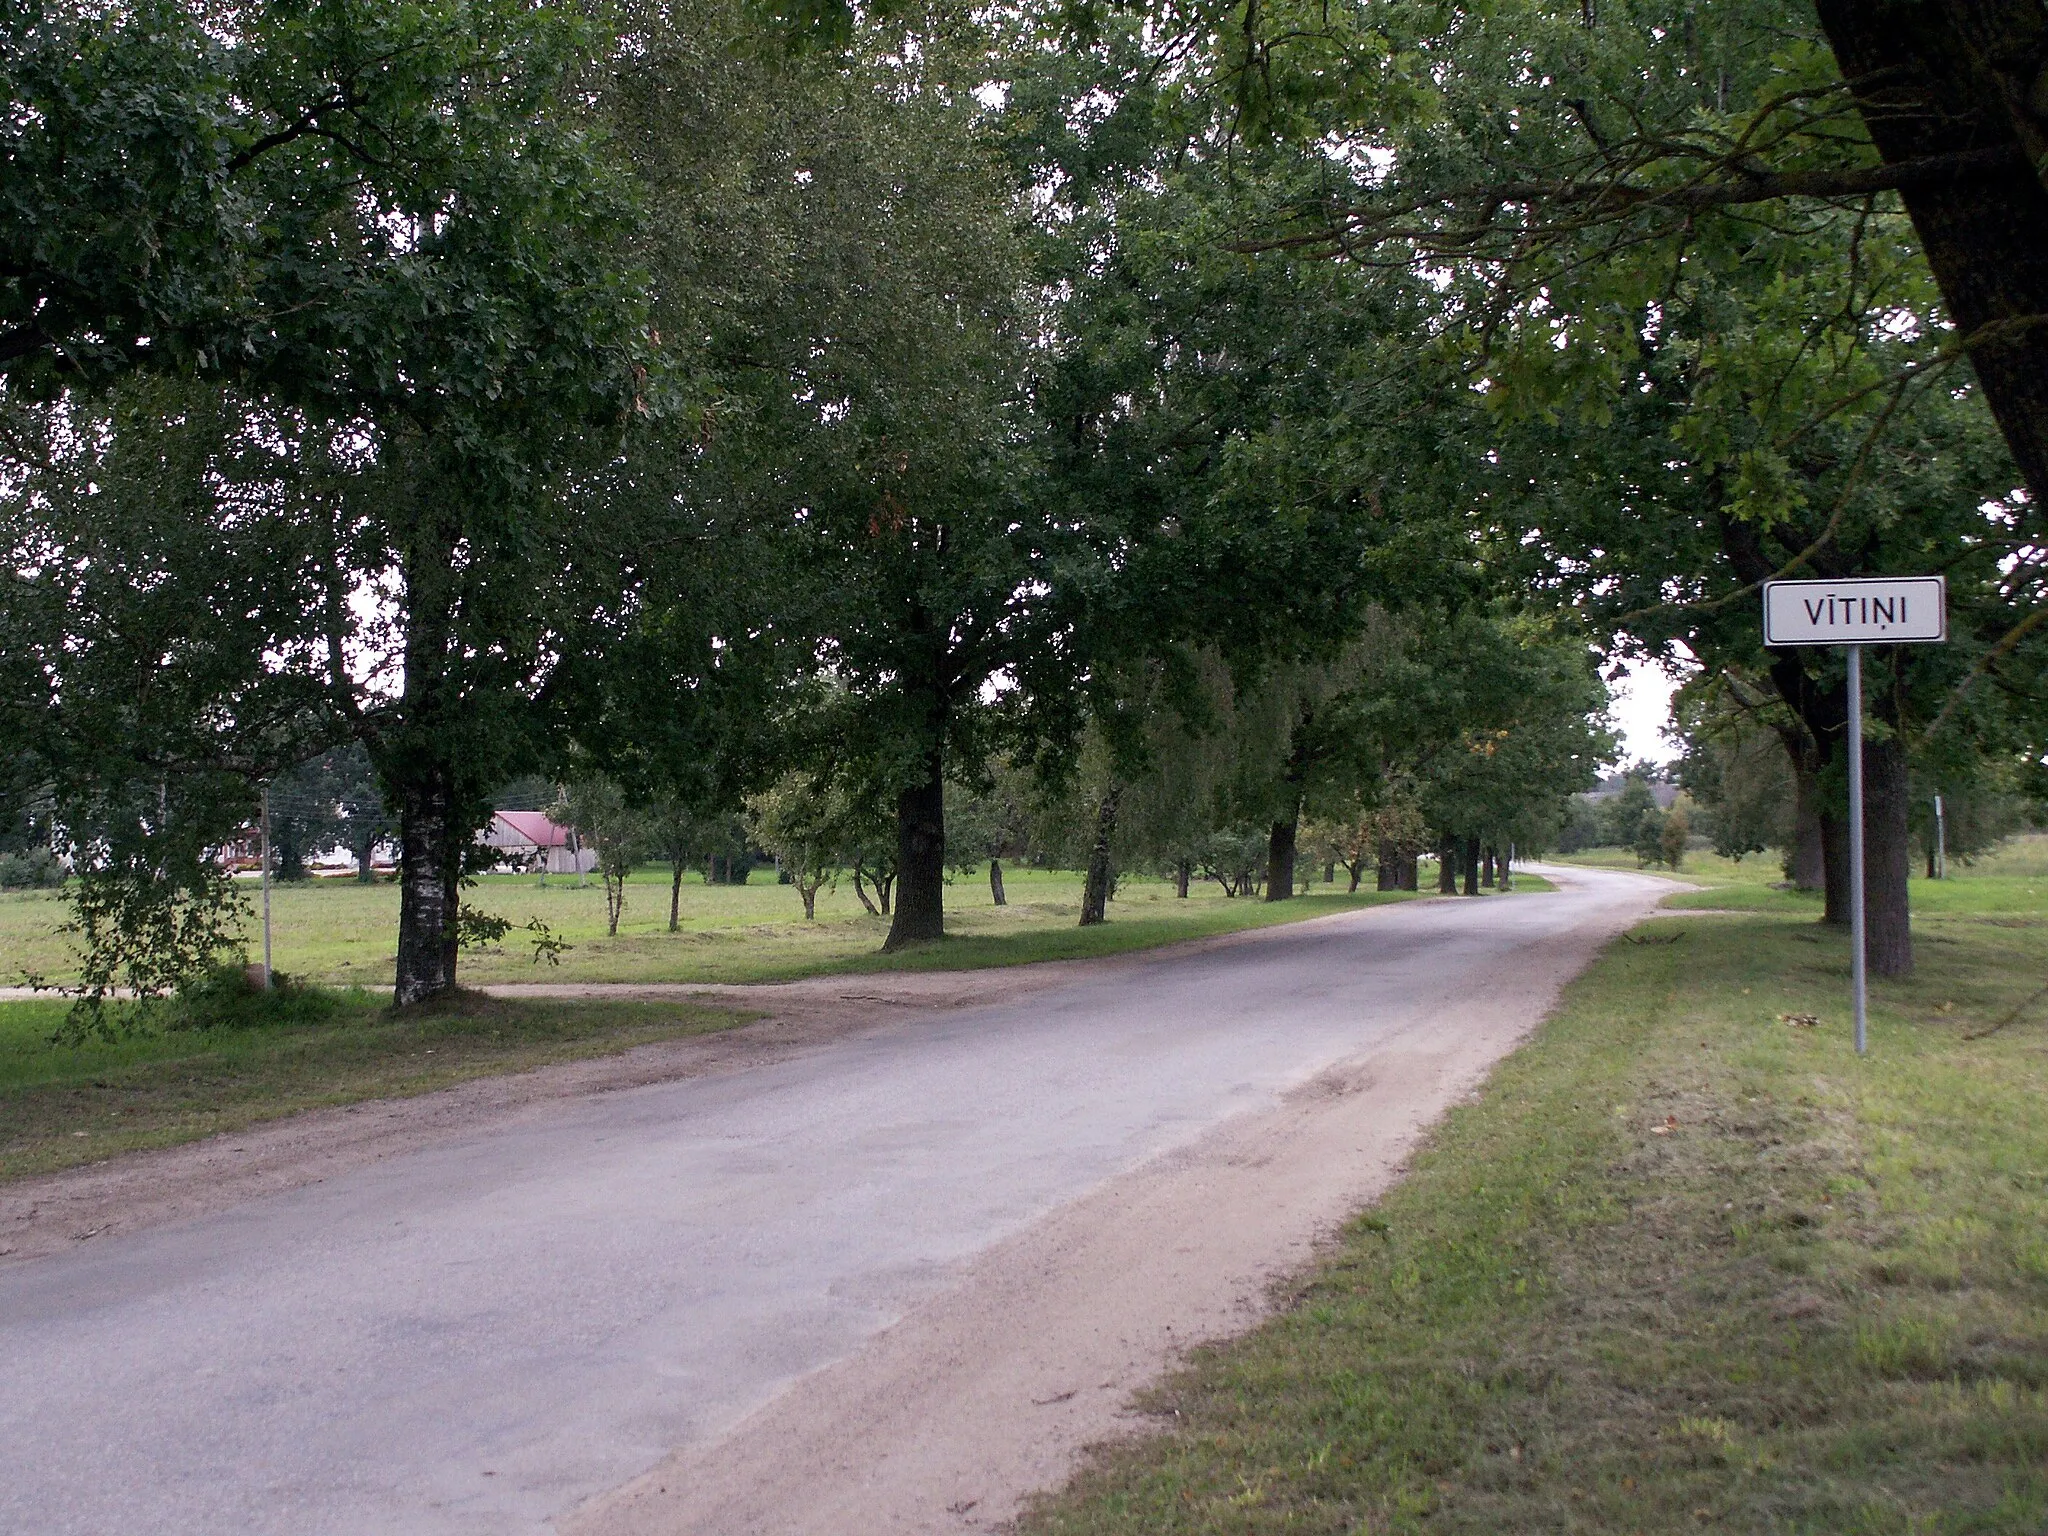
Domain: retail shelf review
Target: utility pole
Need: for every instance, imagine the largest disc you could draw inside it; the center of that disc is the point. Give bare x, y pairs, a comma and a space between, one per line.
1940, 841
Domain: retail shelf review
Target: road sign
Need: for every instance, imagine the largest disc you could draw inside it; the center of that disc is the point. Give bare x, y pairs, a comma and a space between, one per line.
1853, 613
1865, 610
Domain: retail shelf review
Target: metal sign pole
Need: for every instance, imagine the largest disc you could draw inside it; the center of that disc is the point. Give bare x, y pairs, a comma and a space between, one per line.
1857, 974
1854, 611
1940, 841
266, 887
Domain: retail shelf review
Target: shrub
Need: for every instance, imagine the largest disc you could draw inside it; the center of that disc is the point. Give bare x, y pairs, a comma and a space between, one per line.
29, 869
228, 996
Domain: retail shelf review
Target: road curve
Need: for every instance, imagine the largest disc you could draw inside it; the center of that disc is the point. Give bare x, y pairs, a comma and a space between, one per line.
555, 1320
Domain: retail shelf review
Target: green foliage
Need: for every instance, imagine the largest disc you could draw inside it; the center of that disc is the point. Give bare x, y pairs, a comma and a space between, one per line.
227, 997
29, 868
1672, 835
476, 929
803, 823
596, 809
147, 923
547, 944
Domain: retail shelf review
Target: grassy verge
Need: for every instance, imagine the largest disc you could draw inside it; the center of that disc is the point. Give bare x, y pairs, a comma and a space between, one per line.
64, 1105
1683, 1266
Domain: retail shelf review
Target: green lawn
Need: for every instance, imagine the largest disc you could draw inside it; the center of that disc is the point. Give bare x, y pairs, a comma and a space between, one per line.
339, 933
1684, 1266
2011, 882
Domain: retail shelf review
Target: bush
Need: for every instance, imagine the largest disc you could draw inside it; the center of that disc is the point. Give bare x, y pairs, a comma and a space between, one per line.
228, 996
30, 869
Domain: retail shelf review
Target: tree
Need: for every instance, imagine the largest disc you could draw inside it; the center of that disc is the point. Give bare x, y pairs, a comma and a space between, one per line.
367, 452
1689, 194
673, 834
803, 824
1672, 836
598, 811
1736, 771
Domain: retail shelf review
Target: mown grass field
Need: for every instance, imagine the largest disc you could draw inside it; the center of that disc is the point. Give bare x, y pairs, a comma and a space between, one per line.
339, 933
1683, 1266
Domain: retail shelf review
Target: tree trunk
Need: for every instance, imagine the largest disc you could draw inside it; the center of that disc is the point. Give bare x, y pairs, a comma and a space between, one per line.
1357, 872
1387, 868
1935, 79
1471, 866
675, 895
429, 888
1887, 858
1280, 859
1501, 860
1101, 877
1329, 872
920, 860
1182, 873
995, 882
1807, 867
862, 891
1446, 867
884, 884
810, 896
365, 874
1486, 867
1930, 861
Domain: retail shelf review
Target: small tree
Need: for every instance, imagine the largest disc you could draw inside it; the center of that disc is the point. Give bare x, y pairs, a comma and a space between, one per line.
799, 820
597, 811
1671, 837
1648, 841
672, 836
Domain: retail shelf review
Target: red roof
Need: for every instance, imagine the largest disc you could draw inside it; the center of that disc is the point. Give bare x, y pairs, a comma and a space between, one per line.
536, 828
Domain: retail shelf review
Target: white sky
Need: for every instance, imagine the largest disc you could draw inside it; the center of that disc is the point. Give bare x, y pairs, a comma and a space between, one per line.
1642, 710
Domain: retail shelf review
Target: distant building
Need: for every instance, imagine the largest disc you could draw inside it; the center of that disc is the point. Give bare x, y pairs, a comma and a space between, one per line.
533, 840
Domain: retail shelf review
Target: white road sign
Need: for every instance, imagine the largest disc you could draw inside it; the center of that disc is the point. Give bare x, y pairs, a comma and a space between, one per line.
1872, 610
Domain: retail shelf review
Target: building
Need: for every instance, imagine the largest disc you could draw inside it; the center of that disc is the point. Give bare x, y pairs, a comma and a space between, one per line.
533, 840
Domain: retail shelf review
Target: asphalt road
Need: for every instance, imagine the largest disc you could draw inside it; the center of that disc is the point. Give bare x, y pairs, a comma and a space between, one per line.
479, 1336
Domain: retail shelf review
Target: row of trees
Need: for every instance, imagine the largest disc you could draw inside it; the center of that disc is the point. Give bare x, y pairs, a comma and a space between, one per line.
953, 395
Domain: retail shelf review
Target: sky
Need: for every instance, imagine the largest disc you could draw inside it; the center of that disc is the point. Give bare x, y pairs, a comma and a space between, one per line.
1642, 709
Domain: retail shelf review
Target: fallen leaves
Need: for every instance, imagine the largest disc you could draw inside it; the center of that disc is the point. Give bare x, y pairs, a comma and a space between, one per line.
1800, 1020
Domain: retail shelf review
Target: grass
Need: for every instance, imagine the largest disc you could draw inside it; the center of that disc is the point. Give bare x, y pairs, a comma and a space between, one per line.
64, 1105
338, 933
1682, 1266
2012, 882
